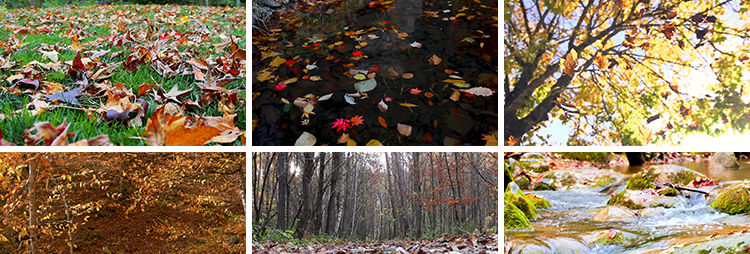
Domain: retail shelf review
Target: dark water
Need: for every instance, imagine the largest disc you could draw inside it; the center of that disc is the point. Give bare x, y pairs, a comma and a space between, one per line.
567, 226
390, 31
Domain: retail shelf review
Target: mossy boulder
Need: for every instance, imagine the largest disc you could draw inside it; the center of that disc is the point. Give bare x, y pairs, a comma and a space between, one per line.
521, 202
663, 173
609, 237
513, 217
724, 160
670, 192
638, 199
538, 200
522, 182
508, 174
544, 184
734, 200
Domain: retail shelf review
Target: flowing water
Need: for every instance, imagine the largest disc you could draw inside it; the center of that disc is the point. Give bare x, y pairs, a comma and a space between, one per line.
567, 226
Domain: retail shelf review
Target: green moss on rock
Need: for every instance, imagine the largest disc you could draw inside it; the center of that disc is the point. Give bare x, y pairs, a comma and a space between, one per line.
642, 180
538, 201
734, 200
520, 201
684, 177
508, 174
514, 218
671, 192
620, 199
603, 239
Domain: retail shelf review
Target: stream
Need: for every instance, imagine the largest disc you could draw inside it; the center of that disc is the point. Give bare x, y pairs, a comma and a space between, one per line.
567, 227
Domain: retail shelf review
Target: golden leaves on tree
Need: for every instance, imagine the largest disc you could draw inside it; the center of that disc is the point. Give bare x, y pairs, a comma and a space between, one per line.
570, 63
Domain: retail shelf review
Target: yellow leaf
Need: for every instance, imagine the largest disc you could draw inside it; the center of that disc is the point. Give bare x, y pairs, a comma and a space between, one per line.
289, 81
408, 105
374, 142
265, 75
571, 62
75, 45
267, 54
351, 143
435, 60
277, 62
454, 81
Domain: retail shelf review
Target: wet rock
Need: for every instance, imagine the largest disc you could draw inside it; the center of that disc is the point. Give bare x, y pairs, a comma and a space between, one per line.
521, 202
734, 200
508, 177
538, 200
544, 184
609, 237
614, 213
546, 245
650, 212
514, 218
723, 244
670, 192
522, 182
724, 160
638, 199
663, 173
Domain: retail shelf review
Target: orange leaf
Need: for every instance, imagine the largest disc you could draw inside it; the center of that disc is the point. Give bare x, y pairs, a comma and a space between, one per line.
428, 94
512, 141
172, 130
382, 122
75, 45
408, 105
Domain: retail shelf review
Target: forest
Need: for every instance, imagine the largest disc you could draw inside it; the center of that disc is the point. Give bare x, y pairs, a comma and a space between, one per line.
122, 202
307, 200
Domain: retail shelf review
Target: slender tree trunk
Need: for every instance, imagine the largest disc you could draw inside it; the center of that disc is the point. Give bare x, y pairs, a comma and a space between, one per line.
458, 186
417, 188
34, 247
332, 216
282, 170
450, 181
317, 213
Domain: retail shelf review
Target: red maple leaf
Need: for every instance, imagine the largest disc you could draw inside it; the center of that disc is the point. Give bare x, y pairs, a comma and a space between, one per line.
612, 233
290, 62
357, 120
415, 91
357, 53
279, 87
342, 47
341, 124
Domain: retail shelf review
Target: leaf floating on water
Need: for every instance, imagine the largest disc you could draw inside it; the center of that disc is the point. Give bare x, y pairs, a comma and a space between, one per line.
382, 106
306, 139
278, 61
315, 78
374, 142
407, 75
435, 60
511, 141
455, 77
325, 97
428, 94
408, 105
343, 139
289, 81
404, 129
415, 45
359, 77
490, 138
455, 95
349, 99
392, 73
382, 122
365, 86
481, 91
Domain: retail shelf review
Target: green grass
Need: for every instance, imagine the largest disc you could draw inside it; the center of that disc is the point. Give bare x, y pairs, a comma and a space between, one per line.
16, 118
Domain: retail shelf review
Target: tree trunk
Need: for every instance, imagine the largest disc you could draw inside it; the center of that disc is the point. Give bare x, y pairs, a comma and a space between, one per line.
317, 213
34, 247
458, 186
417, 188
282, 170
308, 168
332, 214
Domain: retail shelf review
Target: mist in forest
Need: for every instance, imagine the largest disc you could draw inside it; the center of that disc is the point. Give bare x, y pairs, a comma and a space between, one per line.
373, 196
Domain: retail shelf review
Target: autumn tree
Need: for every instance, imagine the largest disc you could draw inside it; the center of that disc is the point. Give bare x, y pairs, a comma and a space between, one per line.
623, 72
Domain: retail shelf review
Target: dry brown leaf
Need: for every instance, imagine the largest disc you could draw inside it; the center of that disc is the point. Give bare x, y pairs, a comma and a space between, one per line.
435, 60
407, 75
404, 129
455, 95
392, 73
343, 139
173, 130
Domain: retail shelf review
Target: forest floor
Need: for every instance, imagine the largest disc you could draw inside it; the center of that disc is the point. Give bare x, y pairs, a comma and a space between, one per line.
121, 72
481, 243
376, 73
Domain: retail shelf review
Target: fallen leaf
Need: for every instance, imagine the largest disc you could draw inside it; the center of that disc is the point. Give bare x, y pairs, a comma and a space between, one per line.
408, 105
481, 91
455, 95
343, 139
382, 122
428, 94
373, 142
407, 75
69, 96
435, 60
278, 61
173, 130
511, 141
306, 139
404, 129
351, 142
392, 72
382, 106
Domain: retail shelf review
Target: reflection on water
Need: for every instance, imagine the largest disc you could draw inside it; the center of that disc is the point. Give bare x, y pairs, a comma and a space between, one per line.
567, 226
720, 175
